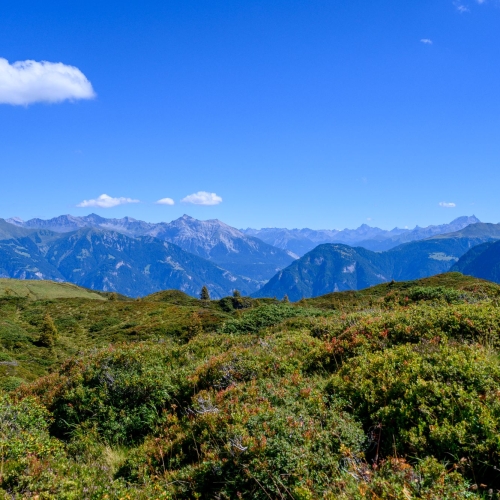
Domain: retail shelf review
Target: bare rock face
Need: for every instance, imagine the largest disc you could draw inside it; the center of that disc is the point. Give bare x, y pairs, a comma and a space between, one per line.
212, 239
226, 246
106, 260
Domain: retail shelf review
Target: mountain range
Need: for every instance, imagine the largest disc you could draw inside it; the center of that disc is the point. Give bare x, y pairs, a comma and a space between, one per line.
338, 267
301, 241
136, 258
110, 261
213, 240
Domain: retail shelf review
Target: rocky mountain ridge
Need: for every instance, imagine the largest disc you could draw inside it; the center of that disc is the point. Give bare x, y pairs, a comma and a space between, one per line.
211, 239
301, 241
137, 258
107, 260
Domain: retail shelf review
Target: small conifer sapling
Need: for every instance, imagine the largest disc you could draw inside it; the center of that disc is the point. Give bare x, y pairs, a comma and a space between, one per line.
48, 334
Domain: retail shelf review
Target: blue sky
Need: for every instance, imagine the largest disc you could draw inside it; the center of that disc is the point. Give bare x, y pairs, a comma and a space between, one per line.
295, 113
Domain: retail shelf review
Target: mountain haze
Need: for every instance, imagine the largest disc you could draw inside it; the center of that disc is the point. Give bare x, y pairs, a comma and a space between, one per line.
68, 223
301, 241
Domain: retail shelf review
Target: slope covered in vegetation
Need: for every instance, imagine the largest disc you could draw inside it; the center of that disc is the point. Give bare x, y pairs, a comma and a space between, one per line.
336, 267
482, 261
390, 392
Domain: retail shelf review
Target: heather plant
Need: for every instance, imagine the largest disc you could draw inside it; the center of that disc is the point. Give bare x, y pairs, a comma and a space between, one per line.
277, 437
440, 293
355, 333
119, 391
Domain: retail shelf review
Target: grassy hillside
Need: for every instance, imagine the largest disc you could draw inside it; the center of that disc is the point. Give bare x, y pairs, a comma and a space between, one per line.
45, 290
390, 392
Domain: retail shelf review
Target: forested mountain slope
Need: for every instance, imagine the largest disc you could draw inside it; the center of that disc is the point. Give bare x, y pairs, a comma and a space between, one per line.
482, 261
332, 267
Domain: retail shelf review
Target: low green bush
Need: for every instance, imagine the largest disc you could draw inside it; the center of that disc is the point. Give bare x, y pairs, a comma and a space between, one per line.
254, 320
269, 439
13, 336
24, 440
356, 333
442, 293
120, 391
428, 400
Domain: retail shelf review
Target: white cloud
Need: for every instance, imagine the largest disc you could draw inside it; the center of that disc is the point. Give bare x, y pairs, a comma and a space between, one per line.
202, 198
165, 201
427, 41
446, 204
105, 201
462, 8
27, 82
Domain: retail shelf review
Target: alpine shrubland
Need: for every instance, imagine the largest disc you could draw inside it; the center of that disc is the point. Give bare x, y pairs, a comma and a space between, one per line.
390, 392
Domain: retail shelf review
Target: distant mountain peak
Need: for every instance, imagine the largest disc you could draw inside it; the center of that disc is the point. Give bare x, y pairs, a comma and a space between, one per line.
301, 241
472, 219
92, 217
15, 220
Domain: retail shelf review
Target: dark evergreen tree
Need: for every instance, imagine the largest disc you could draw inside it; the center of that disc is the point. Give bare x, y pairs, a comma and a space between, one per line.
205, 294
236, 294
286, 299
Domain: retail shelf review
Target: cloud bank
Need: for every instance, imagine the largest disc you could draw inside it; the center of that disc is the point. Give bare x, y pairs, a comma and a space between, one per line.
202, 198
105, 201
165, 201
446, 204
28, 82
427, 41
